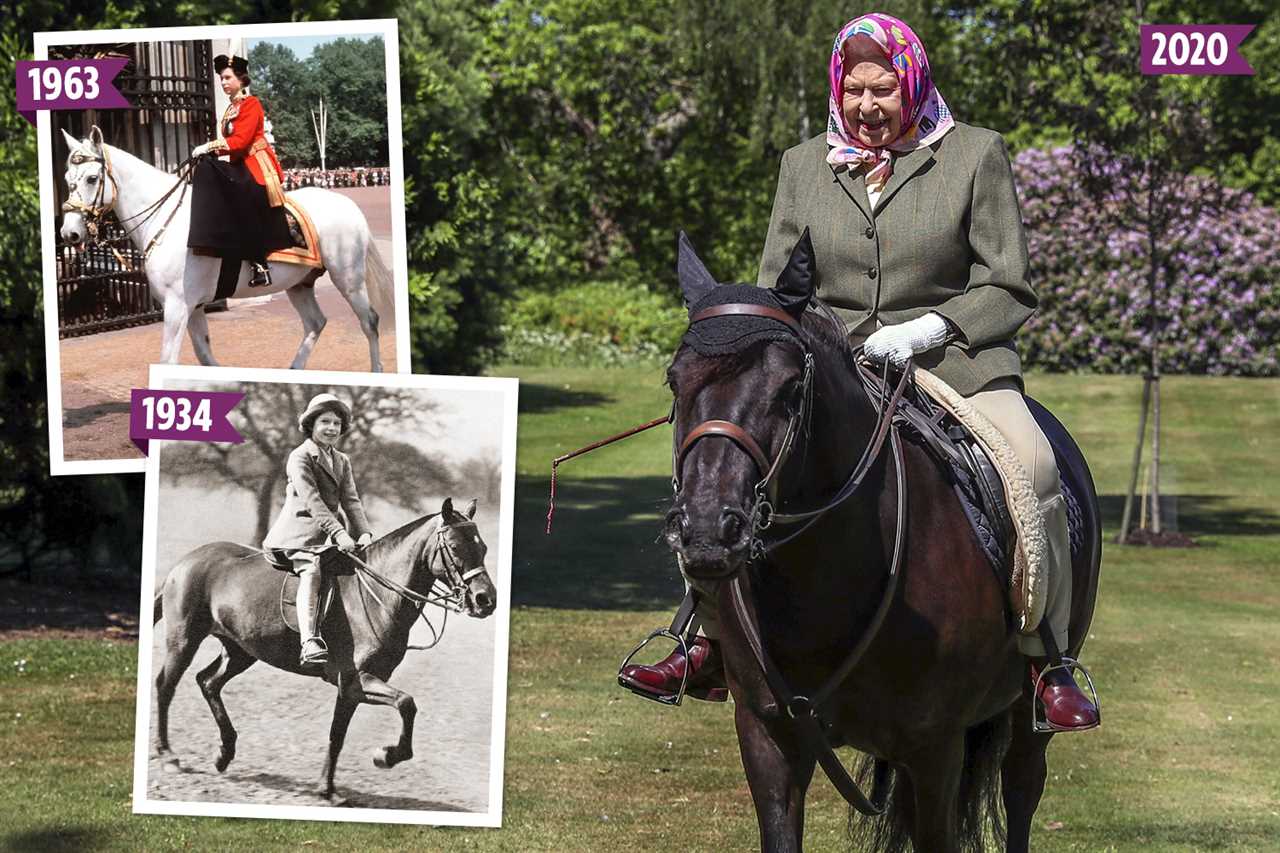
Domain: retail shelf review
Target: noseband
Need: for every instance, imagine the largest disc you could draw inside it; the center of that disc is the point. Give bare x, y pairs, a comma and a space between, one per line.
94, 212
457, 575
765, 492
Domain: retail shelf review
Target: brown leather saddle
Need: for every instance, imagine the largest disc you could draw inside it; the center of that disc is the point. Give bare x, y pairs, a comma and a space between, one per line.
975, 479
333, 563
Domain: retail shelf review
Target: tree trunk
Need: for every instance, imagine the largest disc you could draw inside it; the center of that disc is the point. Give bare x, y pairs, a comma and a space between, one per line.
1127, 515
266, 502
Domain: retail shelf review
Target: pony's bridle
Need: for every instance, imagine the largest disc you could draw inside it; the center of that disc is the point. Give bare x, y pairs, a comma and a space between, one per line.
762, 512
804, 708
458, 576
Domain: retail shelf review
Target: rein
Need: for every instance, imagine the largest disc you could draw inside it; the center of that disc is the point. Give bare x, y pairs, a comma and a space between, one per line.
93, 213
449, 596
802, 709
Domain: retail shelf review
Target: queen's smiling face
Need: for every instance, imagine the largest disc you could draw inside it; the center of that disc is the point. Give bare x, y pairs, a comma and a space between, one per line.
871, 98
327, 429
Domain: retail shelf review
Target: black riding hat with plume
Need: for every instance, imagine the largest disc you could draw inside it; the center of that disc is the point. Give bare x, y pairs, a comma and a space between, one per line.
238, 64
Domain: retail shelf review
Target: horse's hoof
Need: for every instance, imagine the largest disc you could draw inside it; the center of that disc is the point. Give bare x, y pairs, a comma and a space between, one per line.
171, 765
333, 799
382, 758
224, 759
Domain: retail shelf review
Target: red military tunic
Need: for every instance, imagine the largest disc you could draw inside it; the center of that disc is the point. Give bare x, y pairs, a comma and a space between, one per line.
244, 139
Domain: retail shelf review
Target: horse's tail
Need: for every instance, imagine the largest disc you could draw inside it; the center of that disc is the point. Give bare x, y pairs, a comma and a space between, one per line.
979, 808
378, 281
157, 608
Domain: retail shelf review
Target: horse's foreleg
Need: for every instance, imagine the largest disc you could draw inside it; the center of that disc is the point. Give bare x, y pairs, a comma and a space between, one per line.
778, 774
176, 315
343, 707
1023, 774
303, 298
935, 774
212, 679
198, 331
375, 691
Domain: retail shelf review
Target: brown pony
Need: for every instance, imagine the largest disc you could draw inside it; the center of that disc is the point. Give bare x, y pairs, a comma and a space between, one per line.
939, 699
229, 591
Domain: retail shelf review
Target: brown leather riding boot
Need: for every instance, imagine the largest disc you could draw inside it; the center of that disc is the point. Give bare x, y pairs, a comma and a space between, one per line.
706, 674
1066, 708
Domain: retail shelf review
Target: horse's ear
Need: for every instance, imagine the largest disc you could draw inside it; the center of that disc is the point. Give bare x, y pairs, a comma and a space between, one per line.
72, 142
95, 137
796, 281
471, 509
695, 280
446, 508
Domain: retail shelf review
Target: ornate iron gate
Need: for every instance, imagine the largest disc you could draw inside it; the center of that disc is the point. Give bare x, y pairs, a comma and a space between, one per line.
170, 85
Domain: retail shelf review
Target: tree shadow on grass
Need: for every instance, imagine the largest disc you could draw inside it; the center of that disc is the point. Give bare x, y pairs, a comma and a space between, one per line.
539, 399
54, 839
1199, 515
604, 552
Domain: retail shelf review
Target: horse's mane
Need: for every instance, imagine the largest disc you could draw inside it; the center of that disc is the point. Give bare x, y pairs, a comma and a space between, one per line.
398, 538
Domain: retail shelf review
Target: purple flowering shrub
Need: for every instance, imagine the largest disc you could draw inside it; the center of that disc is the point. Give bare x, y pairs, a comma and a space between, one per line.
1218, 293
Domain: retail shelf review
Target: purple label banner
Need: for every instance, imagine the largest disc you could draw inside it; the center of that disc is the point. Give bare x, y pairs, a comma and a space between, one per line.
1197, 49
68, 84
182, 416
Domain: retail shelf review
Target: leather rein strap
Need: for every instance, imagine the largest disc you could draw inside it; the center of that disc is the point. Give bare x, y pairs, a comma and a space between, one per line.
804, 709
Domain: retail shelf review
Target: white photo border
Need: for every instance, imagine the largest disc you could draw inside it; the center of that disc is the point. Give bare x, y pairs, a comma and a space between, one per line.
509, 388
388, 28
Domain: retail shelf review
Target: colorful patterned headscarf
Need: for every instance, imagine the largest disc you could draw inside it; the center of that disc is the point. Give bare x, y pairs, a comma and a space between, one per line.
925, 116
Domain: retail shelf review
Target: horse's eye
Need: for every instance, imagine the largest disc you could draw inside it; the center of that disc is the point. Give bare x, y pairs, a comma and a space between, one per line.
93, 179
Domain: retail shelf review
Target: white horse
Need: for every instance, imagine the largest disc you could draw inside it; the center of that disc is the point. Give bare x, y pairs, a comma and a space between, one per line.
101, 177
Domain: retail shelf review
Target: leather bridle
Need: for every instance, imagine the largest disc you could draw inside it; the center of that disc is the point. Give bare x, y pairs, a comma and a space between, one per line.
762, 512
804, 709
94, 212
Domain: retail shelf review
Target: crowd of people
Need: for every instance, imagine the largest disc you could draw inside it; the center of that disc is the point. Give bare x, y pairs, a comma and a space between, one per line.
359, 176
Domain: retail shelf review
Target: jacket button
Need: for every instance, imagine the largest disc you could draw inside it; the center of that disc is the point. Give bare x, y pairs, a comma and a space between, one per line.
870, 232
871, 273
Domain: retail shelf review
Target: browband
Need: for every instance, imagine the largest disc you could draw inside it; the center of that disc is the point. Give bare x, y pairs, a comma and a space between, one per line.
747, 309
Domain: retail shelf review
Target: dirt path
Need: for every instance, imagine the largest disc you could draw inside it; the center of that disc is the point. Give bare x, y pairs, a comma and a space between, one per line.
98, 370
283, 724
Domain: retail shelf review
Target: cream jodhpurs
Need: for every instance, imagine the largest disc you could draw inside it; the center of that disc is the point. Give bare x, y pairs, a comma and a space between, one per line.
1001, 403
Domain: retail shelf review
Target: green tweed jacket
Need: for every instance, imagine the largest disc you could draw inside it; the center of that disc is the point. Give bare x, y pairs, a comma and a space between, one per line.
946, 236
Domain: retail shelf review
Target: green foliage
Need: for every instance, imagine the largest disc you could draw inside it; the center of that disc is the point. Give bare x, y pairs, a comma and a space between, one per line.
592, 324
350, 76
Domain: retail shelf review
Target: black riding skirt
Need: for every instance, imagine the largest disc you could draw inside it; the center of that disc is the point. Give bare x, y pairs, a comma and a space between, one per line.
230, 215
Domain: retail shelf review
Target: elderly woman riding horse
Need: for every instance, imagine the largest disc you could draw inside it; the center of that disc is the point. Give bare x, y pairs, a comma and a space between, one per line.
919, 248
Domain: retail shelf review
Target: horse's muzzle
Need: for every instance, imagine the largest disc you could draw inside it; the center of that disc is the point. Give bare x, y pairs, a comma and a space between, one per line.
713, 544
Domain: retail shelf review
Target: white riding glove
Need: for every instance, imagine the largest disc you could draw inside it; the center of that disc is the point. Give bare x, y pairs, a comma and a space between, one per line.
365, 539
905, 340
201, 149
344, 541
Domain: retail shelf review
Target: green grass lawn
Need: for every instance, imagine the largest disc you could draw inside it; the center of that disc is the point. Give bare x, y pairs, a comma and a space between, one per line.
1185, 648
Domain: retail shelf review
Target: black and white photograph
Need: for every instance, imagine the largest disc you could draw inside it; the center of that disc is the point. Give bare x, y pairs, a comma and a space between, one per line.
353, 550
246, 209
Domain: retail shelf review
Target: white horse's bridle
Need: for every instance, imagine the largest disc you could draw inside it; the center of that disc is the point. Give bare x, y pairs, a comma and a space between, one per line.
92, 212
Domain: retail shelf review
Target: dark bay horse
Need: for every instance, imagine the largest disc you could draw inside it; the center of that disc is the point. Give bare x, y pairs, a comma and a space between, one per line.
939, 699
230, 592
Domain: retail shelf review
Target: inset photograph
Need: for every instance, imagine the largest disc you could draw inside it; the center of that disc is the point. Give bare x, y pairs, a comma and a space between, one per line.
247, 209
354, 550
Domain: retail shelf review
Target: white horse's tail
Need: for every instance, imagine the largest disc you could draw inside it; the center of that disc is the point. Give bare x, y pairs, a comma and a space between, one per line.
378, 281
